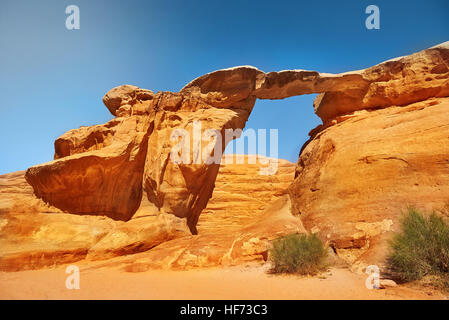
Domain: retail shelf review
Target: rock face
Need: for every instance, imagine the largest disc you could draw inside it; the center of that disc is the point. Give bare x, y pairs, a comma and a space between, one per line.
17, 196
237, 226
380, 149
354, 196
244, 241
383, 145
242, 194
34, 235
38, 240
98, 170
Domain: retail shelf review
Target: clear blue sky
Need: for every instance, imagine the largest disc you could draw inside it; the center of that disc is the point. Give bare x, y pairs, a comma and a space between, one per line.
52, 79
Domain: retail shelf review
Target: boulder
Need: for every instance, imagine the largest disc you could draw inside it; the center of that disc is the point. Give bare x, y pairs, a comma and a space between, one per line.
125, 95
387, 283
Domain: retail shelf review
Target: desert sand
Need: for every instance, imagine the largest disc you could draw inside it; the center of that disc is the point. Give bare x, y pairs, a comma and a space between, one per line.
211, 283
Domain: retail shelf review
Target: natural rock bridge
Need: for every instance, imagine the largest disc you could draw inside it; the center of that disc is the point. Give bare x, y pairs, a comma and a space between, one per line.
122, 169
383, 145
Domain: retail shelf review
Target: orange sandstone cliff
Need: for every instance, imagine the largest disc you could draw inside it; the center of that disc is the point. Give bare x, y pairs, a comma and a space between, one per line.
113, 189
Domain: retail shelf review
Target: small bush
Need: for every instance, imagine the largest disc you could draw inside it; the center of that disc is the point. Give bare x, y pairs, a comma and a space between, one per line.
298, 253
421, 248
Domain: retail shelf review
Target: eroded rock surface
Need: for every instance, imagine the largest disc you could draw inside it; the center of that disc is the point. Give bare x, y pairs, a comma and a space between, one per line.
138, 235
124, 168
383, 145
396, 82
38, 240
97, 171
237, 227
241, 193
17, 196
245, 241
355, 178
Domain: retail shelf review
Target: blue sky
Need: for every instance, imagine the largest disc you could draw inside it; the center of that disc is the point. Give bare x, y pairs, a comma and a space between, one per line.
52, 79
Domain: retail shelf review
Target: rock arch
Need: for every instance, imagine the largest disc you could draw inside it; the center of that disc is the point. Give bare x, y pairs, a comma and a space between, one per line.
122, 169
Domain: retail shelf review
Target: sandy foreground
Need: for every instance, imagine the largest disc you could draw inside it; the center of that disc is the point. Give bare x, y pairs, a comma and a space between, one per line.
218, 283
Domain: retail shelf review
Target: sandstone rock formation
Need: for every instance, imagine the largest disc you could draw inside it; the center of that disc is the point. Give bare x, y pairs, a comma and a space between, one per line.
396, 82
241, 194
97, 171
38, 240
354, 196
383, 145
34, 235
240, 220
138, 235
17, 196
245, 242
124, 166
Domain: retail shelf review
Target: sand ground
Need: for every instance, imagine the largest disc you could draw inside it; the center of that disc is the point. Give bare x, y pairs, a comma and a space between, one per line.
239, 283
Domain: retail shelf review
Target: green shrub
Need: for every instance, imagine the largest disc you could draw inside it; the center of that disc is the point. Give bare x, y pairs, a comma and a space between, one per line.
421, 248
298, 253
